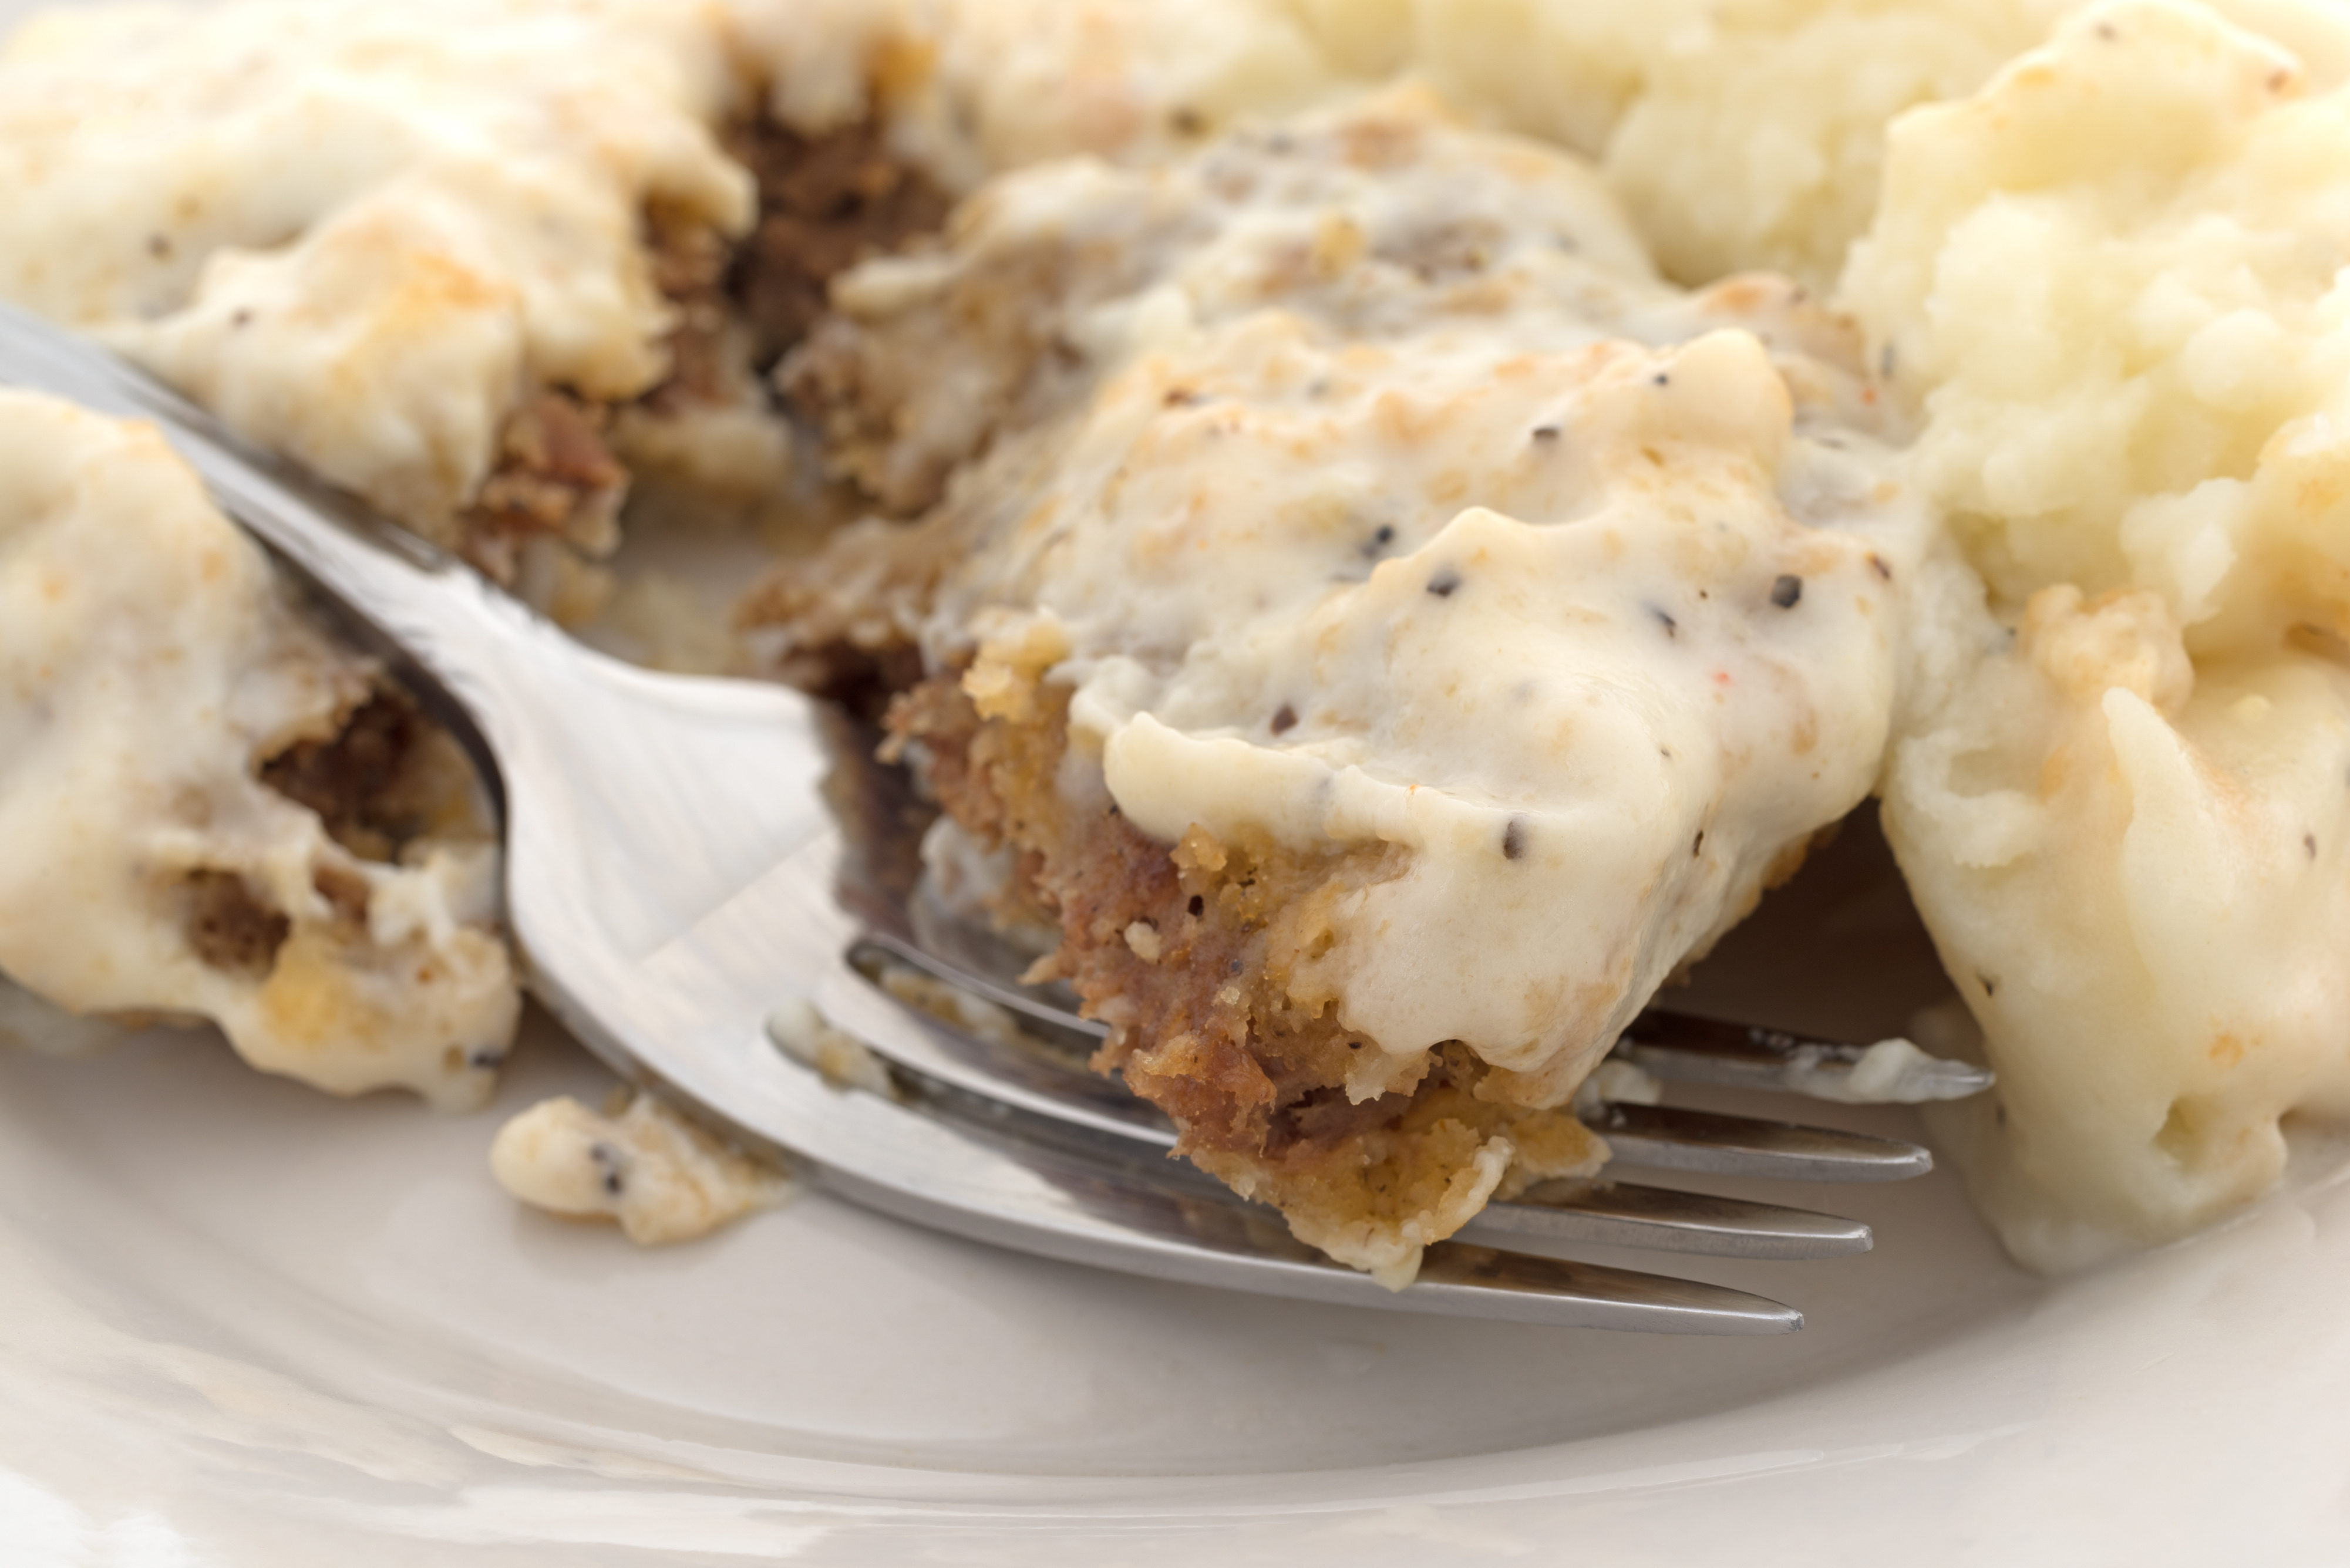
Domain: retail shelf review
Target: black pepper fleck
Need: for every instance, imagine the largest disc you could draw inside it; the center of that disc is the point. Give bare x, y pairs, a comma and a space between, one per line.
1546, 433
1235, 966
239, 317
1661, 379
1877, 564
1990, 986
1697, 848
1787, 590
1442, 584
483, 1061
160, 246
608, 1160
2309, 841
1672, 628
1887, 362
1513, 838
1284, 719
1188, 121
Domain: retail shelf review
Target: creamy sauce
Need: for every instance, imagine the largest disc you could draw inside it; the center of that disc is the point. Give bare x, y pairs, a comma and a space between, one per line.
642, 1166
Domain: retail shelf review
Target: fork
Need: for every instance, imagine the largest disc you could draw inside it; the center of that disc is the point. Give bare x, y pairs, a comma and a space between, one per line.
670, 884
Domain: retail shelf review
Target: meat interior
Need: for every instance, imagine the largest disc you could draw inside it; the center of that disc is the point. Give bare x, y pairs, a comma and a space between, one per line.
825, 202
386, 778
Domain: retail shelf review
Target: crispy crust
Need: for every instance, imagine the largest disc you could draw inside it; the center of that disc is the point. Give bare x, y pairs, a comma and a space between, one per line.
1191, 953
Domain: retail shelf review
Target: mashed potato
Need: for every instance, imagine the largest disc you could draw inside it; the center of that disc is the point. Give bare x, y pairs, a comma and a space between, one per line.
2112, 284
1742, 135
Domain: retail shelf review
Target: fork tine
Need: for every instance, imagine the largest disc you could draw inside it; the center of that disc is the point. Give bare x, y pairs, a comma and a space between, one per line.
1054, 1024
1687, 1049
1482, 1281
1664, 1219
1146, 1216
1036, 1082
1677, 1046
1620, 1213
1033, 1081
1675, 1139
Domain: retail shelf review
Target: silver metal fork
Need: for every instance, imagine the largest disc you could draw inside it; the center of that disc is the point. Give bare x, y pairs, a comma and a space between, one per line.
671, 882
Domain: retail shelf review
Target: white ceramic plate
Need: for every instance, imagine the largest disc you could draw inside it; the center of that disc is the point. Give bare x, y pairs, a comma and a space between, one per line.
243, 1323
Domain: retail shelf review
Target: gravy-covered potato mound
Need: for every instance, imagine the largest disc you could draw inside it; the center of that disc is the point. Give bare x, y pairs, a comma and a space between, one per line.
208, 807
385, 240
1393, 630
2112, 283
